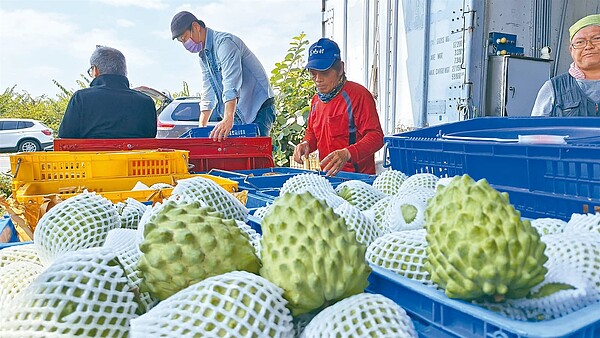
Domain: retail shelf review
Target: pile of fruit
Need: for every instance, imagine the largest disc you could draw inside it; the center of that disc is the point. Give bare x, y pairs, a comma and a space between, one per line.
192, 266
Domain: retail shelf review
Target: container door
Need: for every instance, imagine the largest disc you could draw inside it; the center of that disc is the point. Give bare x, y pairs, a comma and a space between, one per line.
525, 78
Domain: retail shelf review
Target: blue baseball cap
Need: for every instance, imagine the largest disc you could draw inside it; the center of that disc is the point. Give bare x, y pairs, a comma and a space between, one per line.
322, 54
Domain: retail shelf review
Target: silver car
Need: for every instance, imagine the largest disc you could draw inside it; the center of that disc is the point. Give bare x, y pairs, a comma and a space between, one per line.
174, 116
24, 135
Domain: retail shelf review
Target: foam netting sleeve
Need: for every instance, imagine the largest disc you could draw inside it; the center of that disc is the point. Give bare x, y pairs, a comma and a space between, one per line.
444, 181
358, 193
19, 253
213, 195
130, 212
160, 186
402, 252
79, 222
364, 227
423, 194
307, 182
584, 222
389, 181
15, 277
548, 226
83, 293
234, 304
361, 315
573, 259
261, 212
377, 214
124, 243
425, 180
396, 220
255, 237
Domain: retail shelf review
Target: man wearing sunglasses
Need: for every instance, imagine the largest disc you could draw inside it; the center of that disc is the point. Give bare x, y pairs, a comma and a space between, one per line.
108, 108
235, 85
576, 93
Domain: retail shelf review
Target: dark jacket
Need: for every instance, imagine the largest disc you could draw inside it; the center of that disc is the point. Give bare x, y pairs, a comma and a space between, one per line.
109, 109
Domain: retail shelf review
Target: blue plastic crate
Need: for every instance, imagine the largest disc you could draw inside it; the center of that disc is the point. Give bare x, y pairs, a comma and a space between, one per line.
256, 201
436, 315
238, 130
487, 148
8, 245
7, 230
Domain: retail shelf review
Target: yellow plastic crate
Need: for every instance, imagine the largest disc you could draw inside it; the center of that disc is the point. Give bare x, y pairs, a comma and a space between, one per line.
82, 166
32, 195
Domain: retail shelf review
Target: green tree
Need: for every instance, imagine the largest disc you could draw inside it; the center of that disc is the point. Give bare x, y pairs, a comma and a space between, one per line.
293, 89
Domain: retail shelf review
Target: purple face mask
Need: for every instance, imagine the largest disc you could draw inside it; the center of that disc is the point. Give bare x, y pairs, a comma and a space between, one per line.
192, 46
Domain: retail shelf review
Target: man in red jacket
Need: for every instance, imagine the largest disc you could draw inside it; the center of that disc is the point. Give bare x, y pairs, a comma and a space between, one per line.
343, 123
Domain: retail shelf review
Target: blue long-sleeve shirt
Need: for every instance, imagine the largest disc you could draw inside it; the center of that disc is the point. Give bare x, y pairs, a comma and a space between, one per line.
231, 71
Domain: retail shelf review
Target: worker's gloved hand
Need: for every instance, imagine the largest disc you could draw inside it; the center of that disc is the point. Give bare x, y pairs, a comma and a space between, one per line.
335, 161
221, 130
300, 151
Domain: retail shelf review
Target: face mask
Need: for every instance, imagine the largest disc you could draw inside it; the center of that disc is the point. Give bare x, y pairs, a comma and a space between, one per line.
192, 46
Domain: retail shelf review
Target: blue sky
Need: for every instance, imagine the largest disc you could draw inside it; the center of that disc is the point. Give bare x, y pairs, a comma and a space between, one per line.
45, 40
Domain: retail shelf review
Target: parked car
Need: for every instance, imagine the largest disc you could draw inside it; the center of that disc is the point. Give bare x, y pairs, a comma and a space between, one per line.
24, 135
175, 116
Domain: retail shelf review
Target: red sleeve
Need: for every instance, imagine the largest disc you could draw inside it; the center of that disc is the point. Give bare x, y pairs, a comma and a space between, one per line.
309, 135
368, 128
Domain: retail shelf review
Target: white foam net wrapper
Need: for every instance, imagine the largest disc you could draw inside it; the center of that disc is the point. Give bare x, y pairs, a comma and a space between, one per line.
573, 259
423, 194
124, 243
255, 237
362, 315
317, 185
389, 181
213, 195
584, 222
396, 220
130, 213
19, 253
360, 194
402, 252
307, 182
548, 226
160, 185
364, 227
15, 277
444, 181
377, 214
261, 212
421, 180
235, 304
79, 222
83, 293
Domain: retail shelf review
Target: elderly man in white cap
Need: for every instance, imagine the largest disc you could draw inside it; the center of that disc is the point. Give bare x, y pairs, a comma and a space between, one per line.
576, 93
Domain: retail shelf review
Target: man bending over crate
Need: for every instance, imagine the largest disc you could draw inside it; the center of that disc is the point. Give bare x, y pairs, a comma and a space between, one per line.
109, 108
576, 93
343, 123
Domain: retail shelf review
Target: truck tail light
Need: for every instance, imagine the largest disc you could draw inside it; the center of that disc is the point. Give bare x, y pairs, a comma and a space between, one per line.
164, 126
